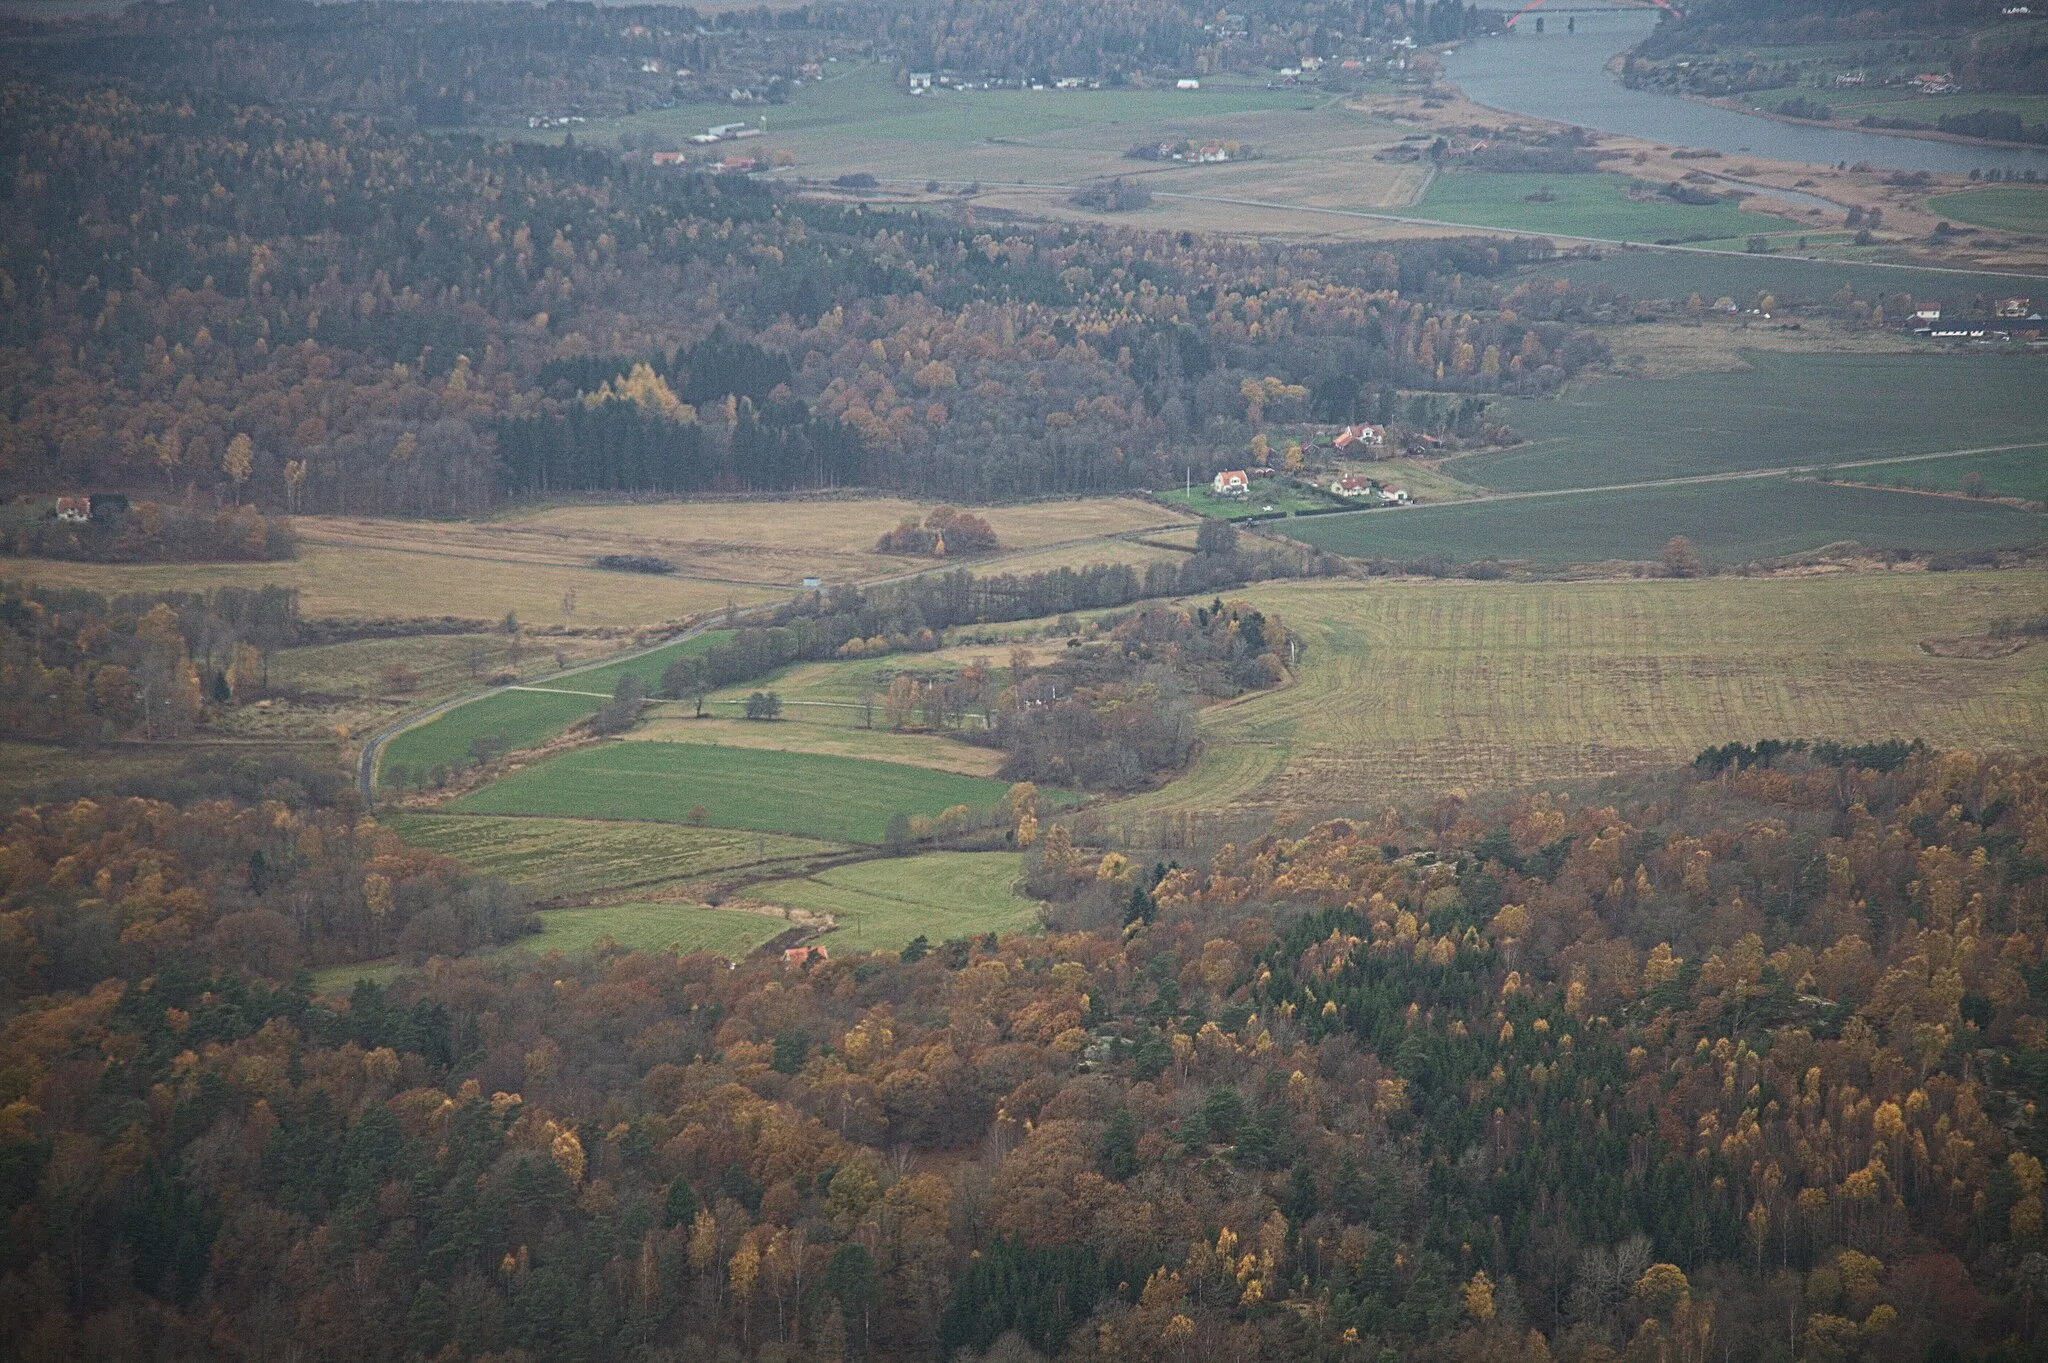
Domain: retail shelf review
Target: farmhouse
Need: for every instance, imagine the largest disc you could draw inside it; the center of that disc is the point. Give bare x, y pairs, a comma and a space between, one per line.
1231, 483
1351, 485
670, 158
1361, 438
920, 82
799, 957
1212, 153
74, 509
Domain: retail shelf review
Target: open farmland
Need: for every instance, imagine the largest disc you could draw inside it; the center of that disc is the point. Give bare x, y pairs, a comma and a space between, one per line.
1679, 275
2016, 473
1412, 686
566, 858
805, 794
2014, 208
1589, 205
684, 928
882, 904
1736, 521
1771, 415
525, 716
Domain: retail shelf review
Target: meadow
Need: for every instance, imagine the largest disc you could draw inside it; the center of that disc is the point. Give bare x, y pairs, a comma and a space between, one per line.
2011, 208
2017, 473
1590, 205
1766, 416
880, 905
1678, 275
842, 799
1728, 522
683, 928
1411, 687
526, 716
568, 858
1279, 494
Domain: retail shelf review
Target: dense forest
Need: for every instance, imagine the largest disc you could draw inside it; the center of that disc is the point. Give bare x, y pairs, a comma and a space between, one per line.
322, 309
1738, 1064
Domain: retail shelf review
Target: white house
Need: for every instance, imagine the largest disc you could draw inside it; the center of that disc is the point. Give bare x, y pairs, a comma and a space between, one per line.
1231, 483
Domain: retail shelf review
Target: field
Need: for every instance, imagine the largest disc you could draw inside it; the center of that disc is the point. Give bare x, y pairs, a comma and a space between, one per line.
1280, 494
1766, 417
1678, 275
565, 858
527, 716
651, 927
1591, 205
2020, 473
1410, 688
882, 904
1730, 522
2012, 208
809, 795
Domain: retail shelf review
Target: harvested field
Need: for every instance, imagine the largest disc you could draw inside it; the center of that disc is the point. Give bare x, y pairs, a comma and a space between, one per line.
881, 905
1410, 688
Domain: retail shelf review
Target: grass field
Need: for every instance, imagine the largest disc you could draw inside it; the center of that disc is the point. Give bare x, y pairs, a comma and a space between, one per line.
1768, 416
1411, 688
882, 904
526, 717
2012, 208
564, 857
1679, 275
2019, 473
651, 927
834, 798
1735, 522
1593, 205
1280, 494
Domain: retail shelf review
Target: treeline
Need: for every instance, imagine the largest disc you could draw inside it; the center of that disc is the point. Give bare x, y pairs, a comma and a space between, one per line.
146, 532
330, 313
1672, 1074
76, 666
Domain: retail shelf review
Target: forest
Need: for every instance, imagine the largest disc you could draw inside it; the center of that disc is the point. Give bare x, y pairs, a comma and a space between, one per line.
1737, 1063
322, 310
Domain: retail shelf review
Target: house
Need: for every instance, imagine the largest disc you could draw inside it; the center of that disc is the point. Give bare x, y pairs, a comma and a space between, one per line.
1351, 485
2012, 307
1394, 495
1360, 438
1262, 471
1212, 153
920, 82
74, 509
670, 158
1184, 83
1926, 319
799, 957
651, 67
736, 165
812, 584
1231, 483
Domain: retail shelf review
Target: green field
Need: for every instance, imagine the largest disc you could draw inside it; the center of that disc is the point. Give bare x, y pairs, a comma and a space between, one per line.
1787, 409
1593, 205
2011, 208
1422, 686
882, 904
2020, 473
1680, 274
557, 857
1733, 522
525, 718
1277, 493
842, 799
651, 927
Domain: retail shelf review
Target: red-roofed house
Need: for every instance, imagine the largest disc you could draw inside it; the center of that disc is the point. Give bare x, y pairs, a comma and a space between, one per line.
1231, 483
74, 508
1361, 438
802, 956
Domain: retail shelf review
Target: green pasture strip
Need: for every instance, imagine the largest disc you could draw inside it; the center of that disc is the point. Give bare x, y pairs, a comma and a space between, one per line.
1589, 205
1680, 274
882, 904
527, 716
1785, 410
1732, 522
843, 799
2011, 208
2015, 473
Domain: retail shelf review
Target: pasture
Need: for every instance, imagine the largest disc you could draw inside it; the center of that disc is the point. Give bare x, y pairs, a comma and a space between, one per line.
1770, 415
1728, 522
2017, 473
567, 858
525, 716
1410, 688
840, 799
1678, 275
880, 905
1590, 205
2011, 208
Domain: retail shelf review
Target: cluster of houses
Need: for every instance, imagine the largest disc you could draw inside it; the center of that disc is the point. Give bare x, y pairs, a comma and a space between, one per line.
2012, 319
1363, 441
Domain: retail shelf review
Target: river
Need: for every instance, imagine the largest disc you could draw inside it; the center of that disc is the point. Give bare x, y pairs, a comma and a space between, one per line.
1562, 76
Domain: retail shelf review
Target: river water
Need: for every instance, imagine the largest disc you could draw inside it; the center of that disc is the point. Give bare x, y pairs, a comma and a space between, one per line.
1562, 77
